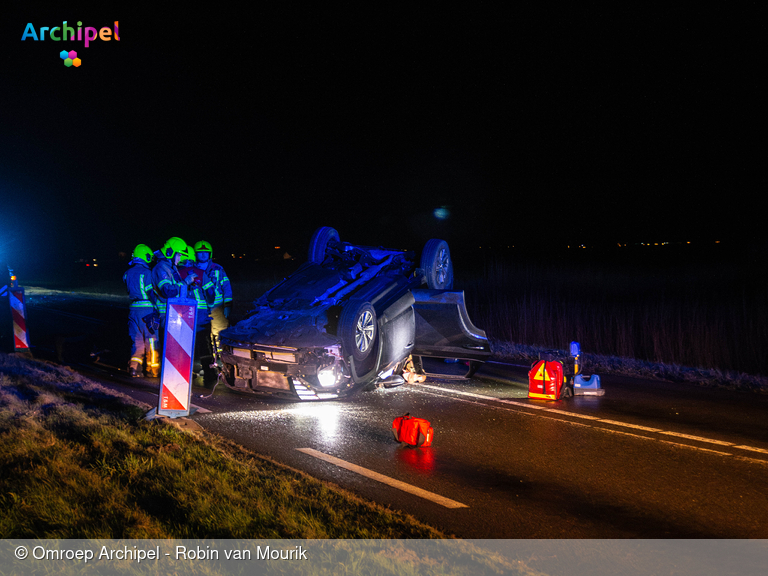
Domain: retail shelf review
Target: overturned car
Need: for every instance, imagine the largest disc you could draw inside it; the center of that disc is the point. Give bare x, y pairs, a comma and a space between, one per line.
349, 319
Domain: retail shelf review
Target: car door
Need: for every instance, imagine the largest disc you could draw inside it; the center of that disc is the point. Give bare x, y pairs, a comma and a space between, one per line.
443, 327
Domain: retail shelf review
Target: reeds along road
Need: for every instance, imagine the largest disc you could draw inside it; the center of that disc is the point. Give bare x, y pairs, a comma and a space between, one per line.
708, 314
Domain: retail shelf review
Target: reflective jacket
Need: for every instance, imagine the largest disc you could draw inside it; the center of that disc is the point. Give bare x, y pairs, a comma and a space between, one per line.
196, 290
167, 283
138, 282
218, 290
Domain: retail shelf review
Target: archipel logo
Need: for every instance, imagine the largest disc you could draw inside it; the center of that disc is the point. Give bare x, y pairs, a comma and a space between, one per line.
70, 58
67, 34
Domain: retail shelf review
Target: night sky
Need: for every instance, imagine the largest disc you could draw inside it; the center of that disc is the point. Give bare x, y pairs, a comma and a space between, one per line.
252, 127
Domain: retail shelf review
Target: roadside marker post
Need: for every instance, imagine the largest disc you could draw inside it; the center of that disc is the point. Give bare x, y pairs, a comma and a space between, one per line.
15, 295
19, 315
175, 393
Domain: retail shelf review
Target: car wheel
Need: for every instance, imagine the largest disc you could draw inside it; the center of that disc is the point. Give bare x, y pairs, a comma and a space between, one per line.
357, 327
321, 239
437, 264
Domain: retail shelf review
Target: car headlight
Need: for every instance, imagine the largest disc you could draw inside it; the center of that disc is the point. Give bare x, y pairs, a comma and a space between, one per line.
327, 376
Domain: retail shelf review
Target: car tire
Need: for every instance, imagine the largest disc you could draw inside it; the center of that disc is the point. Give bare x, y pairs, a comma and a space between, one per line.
437, 265
321, 239
358, 329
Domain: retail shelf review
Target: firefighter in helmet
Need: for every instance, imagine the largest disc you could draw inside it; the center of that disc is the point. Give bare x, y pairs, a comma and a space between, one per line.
138, 282
166, 278
187, 266
217, 288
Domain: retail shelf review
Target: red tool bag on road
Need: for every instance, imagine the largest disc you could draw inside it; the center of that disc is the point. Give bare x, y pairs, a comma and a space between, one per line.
413, 431
545, 380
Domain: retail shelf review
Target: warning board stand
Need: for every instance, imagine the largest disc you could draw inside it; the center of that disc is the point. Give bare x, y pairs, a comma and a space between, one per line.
15, 295
175, 395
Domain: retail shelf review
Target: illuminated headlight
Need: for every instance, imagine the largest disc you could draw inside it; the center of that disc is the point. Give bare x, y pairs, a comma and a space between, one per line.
327, 377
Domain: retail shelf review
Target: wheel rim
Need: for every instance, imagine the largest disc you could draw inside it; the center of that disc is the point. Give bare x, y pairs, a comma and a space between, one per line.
364, 331
441, 266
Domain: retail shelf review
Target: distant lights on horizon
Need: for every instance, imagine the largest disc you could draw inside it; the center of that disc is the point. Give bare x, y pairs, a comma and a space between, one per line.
619, 244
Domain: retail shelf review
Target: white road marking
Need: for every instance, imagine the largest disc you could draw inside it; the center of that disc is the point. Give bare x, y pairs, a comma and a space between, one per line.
764, 451
604, 421
699, 438
699, 448
636, 426
447, 502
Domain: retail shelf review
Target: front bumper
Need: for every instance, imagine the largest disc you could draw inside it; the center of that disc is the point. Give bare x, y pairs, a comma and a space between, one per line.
284, 372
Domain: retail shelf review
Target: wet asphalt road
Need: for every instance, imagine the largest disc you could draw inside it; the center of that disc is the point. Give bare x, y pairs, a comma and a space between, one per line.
647, 460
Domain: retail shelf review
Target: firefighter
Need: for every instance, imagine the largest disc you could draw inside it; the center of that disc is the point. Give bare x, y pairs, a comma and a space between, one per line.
166, 279
187, 266
138, 282
217, 289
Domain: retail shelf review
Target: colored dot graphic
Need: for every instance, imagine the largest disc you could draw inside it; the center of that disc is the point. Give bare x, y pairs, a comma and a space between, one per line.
70, 58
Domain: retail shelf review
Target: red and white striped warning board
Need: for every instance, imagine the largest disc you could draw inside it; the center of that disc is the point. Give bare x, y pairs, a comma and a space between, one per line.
178, 350
19, 313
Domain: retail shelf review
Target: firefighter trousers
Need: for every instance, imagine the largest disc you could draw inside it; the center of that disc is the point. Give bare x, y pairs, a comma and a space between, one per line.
219, 322
143, 344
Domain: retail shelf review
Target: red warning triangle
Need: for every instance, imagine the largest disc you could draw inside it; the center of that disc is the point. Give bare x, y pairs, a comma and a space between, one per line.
541, 373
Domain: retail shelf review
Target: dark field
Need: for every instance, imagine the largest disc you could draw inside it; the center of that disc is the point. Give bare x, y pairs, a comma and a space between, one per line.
704, 308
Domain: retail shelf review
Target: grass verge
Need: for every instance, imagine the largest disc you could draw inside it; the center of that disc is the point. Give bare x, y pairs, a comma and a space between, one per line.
79, 461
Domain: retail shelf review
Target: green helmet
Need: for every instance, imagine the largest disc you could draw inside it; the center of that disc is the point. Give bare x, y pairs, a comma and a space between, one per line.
173, 246
203, 246
144, 252
188, 254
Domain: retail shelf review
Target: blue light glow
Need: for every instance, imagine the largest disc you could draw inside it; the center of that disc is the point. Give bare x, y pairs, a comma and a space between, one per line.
441, 213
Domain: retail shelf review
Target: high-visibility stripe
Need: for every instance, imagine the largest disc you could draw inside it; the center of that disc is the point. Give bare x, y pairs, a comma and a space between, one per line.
153, 360
541, 396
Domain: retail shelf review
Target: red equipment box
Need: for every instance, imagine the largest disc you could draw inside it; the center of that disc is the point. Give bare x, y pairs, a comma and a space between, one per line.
545, 380
413, 431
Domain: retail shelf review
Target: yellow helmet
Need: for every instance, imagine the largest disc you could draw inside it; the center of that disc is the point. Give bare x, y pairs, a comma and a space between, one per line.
144, 252
188, 254
203, 246
173, 246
